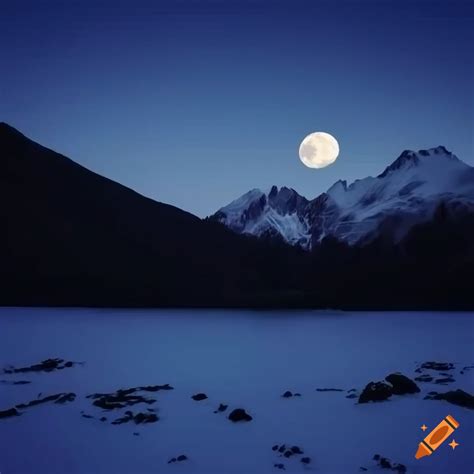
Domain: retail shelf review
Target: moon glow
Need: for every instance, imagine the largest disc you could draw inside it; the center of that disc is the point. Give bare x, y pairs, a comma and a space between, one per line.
318, 150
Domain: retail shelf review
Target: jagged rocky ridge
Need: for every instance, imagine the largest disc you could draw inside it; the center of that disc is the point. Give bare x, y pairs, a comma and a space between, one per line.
406, 193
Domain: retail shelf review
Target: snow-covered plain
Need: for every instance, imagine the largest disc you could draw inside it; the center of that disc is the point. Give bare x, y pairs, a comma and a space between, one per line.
242, 358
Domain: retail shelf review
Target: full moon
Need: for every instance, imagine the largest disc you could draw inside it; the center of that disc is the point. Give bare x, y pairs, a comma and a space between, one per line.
318, 149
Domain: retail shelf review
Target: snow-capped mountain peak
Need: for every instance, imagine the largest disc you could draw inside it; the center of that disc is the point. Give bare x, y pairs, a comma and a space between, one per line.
405, 193
433, 157
277, 212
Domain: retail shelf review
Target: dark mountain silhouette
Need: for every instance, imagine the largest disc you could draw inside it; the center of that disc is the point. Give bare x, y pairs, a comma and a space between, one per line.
73, 238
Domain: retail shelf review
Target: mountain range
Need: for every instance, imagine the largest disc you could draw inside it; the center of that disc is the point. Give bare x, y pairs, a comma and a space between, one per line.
405, 194
70, 237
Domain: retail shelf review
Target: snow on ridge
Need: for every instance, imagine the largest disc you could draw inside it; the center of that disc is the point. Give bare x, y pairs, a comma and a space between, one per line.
410, 189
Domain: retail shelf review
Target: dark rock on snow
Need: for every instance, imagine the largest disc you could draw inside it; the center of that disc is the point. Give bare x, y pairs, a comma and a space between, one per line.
119, 399
385, 463
239, 414
8, 413
180, 458
401, 384
221, 408
287, 394
444, 381
375, 392
306, 460
153, 388
424, 378
279, 466
138, 419
199, 396
15, 382
439, 366
47, 365
456, 397
329, 390
59, 398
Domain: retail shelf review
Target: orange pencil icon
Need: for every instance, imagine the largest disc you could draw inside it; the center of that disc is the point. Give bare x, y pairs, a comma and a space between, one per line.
437, 437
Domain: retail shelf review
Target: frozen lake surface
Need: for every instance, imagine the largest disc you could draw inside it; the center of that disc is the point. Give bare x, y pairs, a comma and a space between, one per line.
245, 359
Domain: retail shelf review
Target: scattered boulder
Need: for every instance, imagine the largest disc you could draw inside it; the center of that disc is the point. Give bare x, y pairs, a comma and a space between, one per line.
15, 382
279, 466
145, 418
85, 415
60, 398
290, 451
48, 365
444, 381
375, 392
180, 458
362, 468
66, 397
221, 408
439, 366
119, 399
297, 394
456, 397
239, 414
104, 418
8, 413
424, 378
136, 434
385, 463
154, 388
351, 395
400, 468
287, 394
401, 384
138, 419
329, 390
199, 396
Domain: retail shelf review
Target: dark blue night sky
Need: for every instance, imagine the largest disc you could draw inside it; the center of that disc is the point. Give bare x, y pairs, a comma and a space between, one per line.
195, 102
